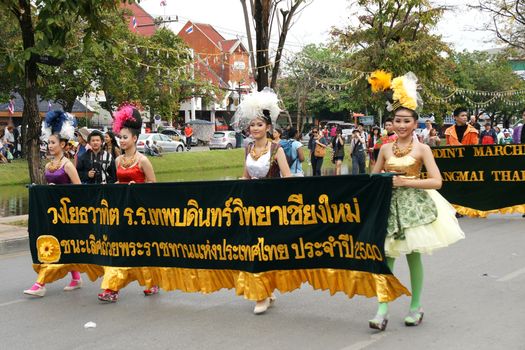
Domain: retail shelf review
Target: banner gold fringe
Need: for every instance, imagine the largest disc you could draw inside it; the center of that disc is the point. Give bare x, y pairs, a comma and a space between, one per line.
252, 286
520, 208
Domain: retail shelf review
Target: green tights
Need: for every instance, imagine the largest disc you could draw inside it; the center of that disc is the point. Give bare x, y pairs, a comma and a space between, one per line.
416, 281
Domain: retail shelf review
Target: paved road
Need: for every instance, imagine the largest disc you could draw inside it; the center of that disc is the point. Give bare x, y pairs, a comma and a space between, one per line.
473, 298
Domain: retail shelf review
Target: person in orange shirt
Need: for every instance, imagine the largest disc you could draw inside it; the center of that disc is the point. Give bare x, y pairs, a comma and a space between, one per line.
188, 132
461, 133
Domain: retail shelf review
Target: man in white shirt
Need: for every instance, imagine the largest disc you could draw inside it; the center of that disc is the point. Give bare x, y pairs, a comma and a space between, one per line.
426, 131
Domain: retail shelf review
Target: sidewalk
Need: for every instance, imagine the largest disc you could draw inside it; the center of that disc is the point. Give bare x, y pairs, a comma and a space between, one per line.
13, 238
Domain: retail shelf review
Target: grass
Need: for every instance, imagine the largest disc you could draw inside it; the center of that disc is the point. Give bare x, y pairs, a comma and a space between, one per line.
14, 173
180, 166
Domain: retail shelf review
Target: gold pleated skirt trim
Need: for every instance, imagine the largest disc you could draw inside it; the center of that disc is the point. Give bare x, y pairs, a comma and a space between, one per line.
520, 208
252, 286
48, 273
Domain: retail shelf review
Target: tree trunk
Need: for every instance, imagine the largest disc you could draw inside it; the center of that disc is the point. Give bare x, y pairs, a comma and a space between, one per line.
31, 117
287, 21
249, 35
261, 16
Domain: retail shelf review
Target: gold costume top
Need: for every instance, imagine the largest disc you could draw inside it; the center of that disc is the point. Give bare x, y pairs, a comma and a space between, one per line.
406, 164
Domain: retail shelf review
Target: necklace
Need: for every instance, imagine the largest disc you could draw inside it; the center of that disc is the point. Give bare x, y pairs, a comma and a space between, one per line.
256, 155
54, 166
127, 162
398, 152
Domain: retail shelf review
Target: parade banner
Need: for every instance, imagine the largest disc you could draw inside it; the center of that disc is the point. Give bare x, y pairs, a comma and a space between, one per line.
312, 226
483, 179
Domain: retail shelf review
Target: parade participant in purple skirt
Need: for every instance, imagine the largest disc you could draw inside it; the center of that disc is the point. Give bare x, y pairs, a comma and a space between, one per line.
57, 129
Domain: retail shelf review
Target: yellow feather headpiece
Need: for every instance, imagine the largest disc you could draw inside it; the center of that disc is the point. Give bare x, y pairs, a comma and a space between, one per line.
380, 80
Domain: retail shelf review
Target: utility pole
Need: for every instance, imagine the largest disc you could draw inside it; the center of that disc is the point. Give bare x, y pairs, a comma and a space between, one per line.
192, 116
249, 35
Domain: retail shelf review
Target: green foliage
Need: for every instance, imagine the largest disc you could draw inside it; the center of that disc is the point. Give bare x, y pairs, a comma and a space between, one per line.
481, 71
395, 36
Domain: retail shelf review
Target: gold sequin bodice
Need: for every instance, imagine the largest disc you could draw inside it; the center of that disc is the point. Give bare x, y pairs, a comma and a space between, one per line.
406, 164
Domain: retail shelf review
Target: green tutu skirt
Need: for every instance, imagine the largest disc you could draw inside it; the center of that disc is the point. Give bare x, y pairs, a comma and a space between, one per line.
420, 221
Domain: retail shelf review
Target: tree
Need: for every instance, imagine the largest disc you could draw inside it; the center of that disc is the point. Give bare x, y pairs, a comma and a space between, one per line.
508, 20
46, 27
265, 13
486, 83
395, 36
315, 82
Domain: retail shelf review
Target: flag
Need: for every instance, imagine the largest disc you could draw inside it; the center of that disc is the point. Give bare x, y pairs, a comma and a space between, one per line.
189, 30
11, 107
134, 22
163, 3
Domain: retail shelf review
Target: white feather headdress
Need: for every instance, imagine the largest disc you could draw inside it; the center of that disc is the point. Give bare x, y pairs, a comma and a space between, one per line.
252, 107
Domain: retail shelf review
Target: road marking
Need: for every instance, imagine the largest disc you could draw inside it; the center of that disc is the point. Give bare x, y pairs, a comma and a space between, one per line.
13, 302
512, 275
366, 343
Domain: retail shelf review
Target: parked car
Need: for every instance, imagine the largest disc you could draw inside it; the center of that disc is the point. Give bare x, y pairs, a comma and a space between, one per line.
165, 142
223, 140
178, 135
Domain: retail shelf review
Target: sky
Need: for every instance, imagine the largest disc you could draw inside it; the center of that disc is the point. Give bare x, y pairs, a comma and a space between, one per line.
459, 26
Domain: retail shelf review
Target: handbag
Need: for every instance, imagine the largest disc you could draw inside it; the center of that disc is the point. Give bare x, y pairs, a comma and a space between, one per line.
319, 151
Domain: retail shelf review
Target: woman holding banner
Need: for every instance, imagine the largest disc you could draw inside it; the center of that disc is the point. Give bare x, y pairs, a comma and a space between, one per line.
420, 220
57, 129
263, 159
132, 167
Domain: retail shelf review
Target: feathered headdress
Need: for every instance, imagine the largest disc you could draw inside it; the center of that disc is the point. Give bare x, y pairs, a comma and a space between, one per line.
403, 88
126, 116
380, 80
253, 106
59, 122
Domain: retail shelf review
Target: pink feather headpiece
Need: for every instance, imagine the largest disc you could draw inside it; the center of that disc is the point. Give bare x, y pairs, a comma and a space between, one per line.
122, 115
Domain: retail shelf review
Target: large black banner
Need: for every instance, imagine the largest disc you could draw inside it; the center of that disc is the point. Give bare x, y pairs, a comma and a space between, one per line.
482, 179
253, 226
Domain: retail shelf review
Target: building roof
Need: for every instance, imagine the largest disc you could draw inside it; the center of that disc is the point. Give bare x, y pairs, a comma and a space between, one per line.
229, 45
43, 106
210, 33
145, 22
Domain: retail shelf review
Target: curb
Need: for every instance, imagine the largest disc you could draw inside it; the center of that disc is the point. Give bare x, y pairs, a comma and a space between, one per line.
14, 245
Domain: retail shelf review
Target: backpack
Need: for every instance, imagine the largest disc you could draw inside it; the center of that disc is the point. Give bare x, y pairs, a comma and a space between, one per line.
287, 146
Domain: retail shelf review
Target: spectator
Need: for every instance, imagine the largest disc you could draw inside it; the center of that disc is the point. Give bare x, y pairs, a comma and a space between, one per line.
3, 152
362, 131
111, 144
96, 166
297, 155
357, 151
374, 144
333, 132
499, 134
474, 122
426, 131
188, 132
9, 138
433, 139
488, 136
518, 136
317, 146
390, 134
82, 135
461, 133
338, 146
156, 149
507, 138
